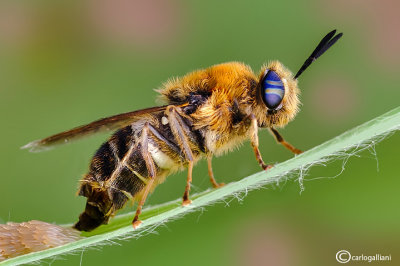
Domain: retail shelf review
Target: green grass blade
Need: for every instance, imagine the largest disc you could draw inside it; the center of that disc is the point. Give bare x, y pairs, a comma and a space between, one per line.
120, 227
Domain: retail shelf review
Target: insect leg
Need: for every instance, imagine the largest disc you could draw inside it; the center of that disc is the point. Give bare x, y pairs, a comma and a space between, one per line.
280, 139
254, 142
211, 174
152, 172
180, 130
185, 199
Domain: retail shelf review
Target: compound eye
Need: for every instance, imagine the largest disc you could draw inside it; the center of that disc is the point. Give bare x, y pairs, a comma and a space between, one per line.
272, 89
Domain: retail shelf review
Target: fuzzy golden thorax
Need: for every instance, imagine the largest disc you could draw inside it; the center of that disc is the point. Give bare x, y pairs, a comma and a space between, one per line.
230, 95
232, 90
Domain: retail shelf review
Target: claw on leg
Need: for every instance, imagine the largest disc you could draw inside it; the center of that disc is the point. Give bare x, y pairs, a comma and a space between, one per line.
186, 202
267, 167
136, 224
218, 185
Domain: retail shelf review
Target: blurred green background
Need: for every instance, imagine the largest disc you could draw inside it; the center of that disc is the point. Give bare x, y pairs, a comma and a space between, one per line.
63, 64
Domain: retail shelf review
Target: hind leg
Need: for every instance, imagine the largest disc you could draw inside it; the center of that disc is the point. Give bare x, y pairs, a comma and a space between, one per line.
136, 222
151, 168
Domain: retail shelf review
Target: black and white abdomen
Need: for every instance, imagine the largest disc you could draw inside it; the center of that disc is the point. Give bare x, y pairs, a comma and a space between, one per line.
118, 171
116, 174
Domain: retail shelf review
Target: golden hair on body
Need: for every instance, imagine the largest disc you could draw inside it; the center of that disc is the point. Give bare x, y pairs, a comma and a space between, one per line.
207, 112
233, 92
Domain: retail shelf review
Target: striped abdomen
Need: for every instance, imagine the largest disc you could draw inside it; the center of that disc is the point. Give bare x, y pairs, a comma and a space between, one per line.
117, 173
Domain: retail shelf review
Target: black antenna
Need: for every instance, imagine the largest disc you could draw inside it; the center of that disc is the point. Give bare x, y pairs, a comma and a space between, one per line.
323, 45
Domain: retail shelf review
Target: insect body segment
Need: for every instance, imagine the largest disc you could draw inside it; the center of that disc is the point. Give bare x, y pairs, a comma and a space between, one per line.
134, 161
207, 113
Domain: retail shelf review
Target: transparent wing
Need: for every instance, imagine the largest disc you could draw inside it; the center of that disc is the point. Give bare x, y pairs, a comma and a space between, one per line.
105, 124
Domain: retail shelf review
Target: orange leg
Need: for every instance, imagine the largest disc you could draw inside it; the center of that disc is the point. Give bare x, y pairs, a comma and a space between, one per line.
254, 143
151, 170
186, 201
280, 139
211, 174
136, 222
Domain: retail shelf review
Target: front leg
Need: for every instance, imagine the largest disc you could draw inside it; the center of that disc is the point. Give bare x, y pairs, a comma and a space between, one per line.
286, 144
254, 142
